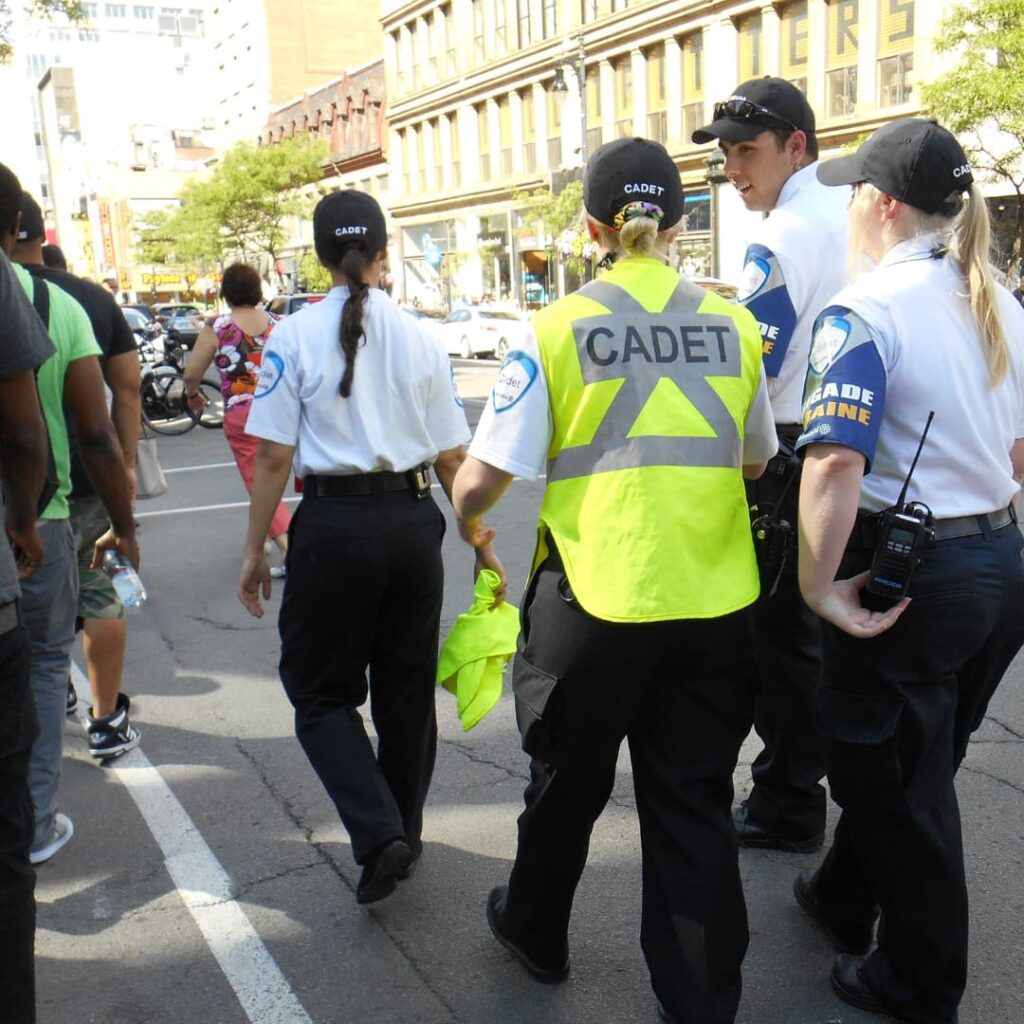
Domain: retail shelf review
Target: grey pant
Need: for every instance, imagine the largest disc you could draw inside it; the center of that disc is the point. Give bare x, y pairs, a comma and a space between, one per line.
49, 602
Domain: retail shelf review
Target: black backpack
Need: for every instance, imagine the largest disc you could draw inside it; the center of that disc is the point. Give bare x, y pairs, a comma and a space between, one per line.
41, 302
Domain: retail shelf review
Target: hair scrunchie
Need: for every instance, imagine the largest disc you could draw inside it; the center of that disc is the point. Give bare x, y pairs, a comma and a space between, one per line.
639, 209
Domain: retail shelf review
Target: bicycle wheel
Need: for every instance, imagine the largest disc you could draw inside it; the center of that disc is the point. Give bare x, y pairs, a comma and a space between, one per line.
164, 409
212, 416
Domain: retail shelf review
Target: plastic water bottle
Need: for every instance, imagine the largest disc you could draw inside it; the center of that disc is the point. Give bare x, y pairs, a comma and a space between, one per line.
125, 579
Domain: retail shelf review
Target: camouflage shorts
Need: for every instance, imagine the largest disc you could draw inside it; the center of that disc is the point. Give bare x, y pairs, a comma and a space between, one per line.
97, 598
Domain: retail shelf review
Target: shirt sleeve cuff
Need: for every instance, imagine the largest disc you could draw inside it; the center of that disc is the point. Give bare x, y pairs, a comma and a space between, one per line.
500, 460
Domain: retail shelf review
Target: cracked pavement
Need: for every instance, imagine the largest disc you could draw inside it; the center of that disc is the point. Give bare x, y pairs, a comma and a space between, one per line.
116, 945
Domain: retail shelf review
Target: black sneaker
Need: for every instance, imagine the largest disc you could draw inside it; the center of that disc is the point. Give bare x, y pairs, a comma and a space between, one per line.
72, 704
112, 735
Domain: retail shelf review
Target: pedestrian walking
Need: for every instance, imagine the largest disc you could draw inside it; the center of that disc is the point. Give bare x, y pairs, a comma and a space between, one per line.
636, 622
927, 336
794, 263
362, 401
234, 344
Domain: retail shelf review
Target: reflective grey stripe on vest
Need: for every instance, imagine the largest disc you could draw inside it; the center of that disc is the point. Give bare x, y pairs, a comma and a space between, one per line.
640, 348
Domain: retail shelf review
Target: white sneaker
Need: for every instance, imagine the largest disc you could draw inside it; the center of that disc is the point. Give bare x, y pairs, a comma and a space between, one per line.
278, 572
62, 831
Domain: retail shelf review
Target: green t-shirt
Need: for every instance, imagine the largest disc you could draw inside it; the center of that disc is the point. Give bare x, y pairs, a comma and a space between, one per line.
71, 334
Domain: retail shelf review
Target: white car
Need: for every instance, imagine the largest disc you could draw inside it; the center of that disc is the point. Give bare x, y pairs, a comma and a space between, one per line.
479, 330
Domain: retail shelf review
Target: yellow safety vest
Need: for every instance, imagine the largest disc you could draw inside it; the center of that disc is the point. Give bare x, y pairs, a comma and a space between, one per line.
650, 379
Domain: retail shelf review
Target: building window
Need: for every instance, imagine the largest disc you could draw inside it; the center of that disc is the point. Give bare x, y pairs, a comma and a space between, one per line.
455, 163
895, 52
417, 67
90, 10
693, 83
483, 134
549, 18
529, 121
421, 156
623, 97
500, 27
657, 96
115, 10
595, 134
143, 13
435, 134
168, 21
793, 40
444, 16
505, 135
841, 58
479, 49
523, 22
553, 101
751, 59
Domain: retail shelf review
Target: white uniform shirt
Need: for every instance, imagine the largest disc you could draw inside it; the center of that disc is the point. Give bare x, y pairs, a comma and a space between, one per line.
795, 263
403, 409
514, 432
897, 343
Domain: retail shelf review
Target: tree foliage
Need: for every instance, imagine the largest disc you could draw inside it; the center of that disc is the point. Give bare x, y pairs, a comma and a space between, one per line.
240, 210
73, 10
316, 276
561, 216
980, 97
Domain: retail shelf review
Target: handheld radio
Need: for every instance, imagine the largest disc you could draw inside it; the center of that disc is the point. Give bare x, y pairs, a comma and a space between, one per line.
904, 531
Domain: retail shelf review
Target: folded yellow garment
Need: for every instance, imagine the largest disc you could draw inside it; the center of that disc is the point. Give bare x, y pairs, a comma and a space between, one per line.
479, 646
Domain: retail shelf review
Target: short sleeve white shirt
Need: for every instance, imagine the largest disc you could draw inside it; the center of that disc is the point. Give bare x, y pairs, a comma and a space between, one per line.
795, 263
404, 407
896, 344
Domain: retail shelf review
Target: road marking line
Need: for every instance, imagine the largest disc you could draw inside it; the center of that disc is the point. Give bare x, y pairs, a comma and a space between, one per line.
195, 469
205, 889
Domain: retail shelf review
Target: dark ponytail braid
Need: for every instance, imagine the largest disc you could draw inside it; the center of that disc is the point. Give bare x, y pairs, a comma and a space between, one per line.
353, 264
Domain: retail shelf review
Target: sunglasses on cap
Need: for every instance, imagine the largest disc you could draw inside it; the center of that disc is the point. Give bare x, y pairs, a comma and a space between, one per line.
745, 110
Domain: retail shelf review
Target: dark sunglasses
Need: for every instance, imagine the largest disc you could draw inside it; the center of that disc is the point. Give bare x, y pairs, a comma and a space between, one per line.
744, 110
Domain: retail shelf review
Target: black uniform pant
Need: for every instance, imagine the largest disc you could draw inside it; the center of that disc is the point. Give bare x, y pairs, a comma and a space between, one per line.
363, 591
680, 693
18, 729
787, 796
898, 711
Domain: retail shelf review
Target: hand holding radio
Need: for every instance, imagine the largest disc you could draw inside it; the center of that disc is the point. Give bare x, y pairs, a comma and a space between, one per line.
840, 605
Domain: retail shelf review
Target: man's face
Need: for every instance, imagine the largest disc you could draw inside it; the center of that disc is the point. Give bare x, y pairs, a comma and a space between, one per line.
758, 169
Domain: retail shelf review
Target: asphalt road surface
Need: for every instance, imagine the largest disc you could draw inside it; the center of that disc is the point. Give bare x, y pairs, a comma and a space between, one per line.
209, 880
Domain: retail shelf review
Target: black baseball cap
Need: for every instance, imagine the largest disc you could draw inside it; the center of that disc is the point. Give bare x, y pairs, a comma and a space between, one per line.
755, 107
347, 216
31, 227
630, 171
914, 160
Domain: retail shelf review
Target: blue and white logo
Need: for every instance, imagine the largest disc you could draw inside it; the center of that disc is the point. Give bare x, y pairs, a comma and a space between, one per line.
829, 341
756, 273
271, 371
515, 378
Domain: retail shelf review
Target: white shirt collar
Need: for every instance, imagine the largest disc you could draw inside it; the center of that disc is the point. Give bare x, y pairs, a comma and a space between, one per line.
796, 181
911, 247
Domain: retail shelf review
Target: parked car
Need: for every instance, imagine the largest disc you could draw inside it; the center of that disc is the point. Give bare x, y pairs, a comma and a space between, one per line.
478, 330
164, 311
431, 319
142, 309
285, 305
143, 329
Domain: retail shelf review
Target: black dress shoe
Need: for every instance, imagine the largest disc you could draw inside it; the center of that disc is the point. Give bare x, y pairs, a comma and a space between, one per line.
756, 837
382, 870
413, 861
806, 892
848, 984
550, 974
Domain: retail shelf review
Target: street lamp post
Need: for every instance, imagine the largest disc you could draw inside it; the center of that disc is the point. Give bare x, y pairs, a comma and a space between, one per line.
714, 175
578, 66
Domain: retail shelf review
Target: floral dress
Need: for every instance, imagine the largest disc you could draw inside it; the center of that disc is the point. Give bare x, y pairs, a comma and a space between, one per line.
238, 360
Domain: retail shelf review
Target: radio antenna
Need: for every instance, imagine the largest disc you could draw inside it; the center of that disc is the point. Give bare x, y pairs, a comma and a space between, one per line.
913, 465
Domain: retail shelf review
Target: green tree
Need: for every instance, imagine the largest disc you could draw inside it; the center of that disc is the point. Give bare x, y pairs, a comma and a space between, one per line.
316, 276
73, 10
560, 215
980, 97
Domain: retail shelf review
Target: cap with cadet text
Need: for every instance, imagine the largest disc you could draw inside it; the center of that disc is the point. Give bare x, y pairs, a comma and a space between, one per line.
757, 106
914, 160
31, 227
346, 216
632, 177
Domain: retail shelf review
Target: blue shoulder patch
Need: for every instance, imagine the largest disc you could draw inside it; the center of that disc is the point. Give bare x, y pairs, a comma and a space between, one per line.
455, 387
844, 395
271, 371
515, 378
763, 291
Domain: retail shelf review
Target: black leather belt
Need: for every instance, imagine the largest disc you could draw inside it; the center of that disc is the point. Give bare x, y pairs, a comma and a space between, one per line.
416, 481
865, 531
8, 617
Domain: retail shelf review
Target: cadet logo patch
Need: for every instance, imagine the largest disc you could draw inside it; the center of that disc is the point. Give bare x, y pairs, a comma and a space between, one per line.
270, 374
515, 378
829, 341
755, 276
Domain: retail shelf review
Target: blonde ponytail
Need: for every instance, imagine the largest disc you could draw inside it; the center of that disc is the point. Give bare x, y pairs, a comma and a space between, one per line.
972, 239
639, 237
